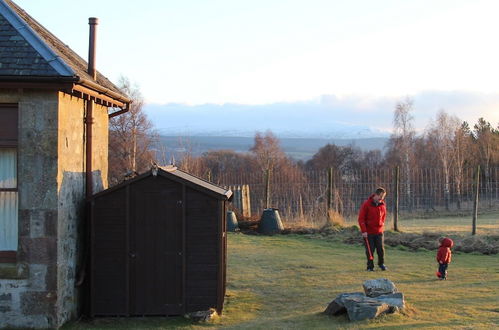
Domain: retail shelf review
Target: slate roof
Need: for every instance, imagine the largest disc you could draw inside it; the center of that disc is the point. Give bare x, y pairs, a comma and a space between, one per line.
18, 57
27, 49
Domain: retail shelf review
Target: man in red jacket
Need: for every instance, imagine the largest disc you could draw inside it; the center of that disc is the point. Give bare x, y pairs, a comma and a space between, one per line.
372, 216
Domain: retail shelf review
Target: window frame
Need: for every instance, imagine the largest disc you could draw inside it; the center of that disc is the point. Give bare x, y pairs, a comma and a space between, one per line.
11, 256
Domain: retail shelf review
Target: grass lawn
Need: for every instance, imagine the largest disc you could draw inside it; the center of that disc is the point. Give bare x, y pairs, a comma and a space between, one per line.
286, 281
487, 224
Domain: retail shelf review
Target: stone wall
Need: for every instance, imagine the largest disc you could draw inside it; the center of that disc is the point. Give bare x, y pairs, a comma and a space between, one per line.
29, 289
100, 146
39, 291
71, 195
71, 192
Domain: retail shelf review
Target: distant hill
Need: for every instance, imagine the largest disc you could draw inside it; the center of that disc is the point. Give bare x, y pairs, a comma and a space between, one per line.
293, 120
297, 148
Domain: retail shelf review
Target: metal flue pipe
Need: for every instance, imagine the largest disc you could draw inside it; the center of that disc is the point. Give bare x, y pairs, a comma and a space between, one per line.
92, 22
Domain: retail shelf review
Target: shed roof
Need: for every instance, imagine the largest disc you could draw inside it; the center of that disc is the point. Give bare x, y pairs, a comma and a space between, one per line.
29, 50
173, 173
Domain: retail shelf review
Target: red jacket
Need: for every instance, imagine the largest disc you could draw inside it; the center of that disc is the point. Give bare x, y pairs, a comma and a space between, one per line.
372, 216
444, 254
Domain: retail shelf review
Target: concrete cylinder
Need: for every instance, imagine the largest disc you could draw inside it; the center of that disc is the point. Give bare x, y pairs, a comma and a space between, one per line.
270, 222
232, 224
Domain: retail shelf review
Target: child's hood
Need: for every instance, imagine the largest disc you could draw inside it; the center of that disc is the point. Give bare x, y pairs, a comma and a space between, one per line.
447, 242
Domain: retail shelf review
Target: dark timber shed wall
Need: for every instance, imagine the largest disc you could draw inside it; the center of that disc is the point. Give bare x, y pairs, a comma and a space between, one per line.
158, 246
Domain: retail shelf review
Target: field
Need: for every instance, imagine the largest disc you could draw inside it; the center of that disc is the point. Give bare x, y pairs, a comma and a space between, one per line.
487, 224
286, 281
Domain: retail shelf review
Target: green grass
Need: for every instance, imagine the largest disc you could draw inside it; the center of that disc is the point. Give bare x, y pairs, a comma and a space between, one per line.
487, 224
286, 281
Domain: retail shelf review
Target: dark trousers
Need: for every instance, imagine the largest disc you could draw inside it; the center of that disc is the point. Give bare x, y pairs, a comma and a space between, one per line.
442, 269
376, 243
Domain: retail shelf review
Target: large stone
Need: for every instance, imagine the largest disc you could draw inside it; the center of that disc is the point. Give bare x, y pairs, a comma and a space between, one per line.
202, 316
359, 307
378, 287
363, 308
337, 306
394, 299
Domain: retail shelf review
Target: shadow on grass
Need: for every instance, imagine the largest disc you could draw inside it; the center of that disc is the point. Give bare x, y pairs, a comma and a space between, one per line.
177, 322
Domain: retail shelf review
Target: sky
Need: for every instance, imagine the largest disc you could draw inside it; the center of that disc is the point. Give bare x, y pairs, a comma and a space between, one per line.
256, 52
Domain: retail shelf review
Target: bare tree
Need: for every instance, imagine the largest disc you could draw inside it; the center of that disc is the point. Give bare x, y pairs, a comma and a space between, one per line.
372, 158
228, 162
131, 138
442, 132
187, 159
486, 140
426, 163
462, 145
403, 135
267, 150
342, 158
270, 158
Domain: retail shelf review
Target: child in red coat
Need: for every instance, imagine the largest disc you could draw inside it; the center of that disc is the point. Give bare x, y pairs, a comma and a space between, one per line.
444, 256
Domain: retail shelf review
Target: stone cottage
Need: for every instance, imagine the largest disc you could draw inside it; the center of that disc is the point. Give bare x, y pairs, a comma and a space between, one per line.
54, 112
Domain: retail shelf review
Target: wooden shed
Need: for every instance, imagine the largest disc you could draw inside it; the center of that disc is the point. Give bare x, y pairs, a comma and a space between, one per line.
158, 246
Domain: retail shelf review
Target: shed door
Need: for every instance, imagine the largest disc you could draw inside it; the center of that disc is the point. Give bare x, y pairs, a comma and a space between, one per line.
156, 248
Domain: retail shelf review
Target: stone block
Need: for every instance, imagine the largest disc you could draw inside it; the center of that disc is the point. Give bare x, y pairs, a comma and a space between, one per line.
38, 303
202, 316
394, 299
5, 297
5, 309
13, 286
337, 306
37, 224
363, 308
378, 287
39, 250
38, 274
50, 223
24, 222
334, 308
359, 307
51, 278
25, 322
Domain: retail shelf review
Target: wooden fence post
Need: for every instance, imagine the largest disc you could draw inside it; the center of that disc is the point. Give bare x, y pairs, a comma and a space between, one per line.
246, 201
267, 188
475, 201
329, 192
396, 199
300, 208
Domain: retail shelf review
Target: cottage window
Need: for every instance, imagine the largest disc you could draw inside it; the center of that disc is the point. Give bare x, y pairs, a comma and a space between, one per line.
8, 182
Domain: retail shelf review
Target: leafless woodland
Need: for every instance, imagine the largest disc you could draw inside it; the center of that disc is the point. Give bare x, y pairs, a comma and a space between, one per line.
305, 194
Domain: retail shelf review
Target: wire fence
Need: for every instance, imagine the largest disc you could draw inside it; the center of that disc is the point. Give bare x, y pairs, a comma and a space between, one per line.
422, 192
